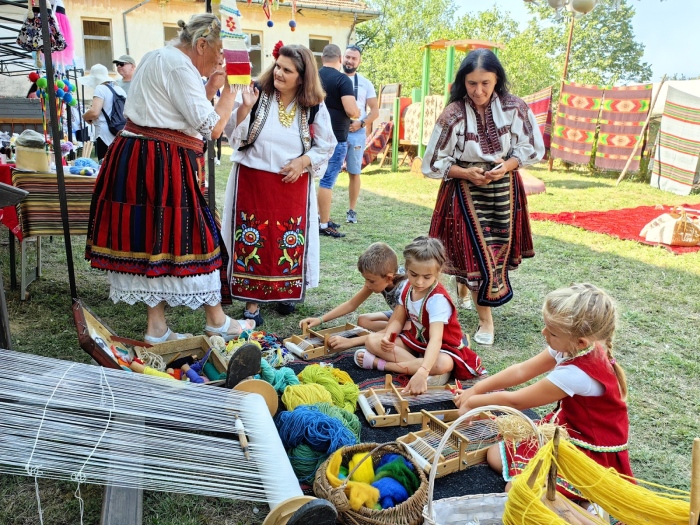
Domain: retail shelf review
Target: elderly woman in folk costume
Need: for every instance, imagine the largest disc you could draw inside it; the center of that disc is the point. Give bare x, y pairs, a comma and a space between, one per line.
480, 140
284, 139
150, 226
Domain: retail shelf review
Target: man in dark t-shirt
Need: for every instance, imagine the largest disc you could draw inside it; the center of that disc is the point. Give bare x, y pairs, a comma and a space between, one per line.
342, 107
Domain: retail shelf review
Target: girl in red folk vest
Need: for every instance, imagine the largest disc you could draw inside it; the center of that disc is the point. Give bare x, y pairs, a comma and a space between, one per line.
583, 378
431, 346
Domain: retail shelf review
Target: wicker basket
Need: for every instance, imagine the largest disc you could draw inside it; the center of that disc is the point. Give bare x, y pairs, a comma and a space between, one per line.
481, 509
406, 513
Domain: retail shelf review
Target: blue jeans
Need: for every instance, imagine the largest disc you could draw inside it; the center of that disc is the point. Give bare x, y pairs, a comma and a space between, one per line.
334, 166
356, 148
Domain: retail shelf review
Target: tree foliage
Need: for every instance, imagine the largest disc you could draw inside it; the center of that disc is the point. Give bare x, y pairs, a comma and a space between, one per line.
604, 50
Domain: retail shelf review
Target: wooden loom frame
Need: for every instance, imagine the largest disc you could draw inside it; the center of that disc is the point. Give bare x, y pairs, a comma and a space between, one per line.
457, 441
404, 417
323, 349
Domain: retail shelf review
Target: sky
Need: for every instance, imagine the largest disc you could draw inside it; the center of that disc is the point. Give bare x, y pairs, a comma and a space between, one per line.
666, 28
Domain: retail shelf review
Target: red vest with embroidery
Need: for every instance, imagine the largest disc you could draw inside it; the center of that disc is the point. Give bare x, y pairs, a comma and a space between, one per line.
451, 334
597, 423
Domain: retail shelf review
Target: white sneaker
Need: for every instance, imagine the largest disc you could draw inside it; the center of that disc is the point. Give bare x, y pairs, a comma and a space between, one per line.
217, 162
439, 380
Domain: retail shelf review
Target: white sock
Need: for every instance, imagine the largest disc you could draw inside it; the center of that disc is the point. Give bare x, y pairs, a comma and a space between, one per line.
323, 225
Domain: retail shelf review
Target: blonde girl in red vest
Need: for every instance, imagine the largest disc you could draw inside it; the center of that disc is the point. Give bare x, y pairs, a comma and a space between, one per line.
583, 378
433, 347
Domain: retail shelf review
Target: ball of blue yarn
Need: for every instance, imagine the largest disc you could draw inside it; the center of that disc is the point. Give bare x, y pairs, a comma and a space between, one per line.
307, 424
388, 458
391, 492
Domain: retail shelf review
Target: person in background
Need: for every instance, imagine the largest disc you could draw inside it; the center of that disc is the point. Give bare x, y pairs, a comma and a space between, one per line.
270, 218
366, 97
342, 106
102, 99
479, 141
150, 227
126, 66
583, 378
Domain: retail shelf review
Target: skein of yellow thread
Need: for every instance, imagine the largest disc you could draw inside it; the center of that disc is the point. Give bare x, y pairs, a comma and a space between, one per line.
338, 383
365, 472
629, 503
296, 395
147, 370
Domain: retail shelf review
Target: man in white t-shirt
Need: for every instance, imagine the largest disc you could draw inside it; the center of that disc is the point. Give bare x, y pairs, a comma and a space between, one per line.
366, 97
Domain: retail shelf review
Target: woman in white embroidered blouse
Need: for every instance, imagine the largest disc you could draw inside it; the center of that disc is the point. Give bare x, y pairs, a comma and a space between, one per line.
479, 141
270, 221
150, 226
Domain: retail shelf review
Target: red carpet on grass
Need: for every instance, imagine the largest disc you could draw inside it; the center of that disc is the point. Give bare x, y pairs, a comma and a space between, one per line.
623, 224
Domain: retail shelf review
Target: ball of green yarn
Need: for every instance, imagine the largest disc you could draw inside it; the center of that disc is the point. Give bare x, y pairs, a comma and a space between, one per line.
305, 461
398, 470
344, 396
350, 421
279, 379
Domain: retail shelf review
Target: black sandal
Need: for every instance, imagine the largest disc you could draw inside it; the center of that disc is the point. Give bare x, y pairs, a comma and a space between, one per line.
244, 363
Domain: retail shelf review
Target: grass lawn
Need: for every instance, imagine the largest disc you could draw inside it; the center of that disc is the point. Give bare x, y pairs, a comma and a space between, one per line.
657, 294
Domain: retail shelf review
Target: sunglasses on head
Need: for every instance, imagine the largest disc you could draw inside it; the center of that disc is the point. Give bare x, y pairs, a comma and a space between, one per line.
120, 64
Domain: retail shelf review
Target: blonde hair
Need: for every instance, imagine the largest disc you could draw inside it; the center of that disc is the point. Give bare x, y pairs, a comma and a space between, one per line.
204, 25
379, 259
585, 311
425, 249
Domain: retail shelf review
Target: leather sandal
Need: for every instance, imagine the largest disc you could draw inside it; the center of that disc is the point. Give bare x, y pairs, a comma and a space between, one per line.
483, 338
224, 330
169, 335
244, 362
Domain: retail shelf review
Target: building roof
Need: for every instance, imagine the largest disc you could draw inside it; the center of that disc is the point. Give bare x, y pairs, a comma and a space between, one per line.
356, 7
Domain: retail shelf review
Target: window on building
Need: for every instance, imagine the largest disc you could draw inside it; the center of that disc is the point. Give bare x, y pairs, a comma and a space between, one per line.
255, 52
316, 45
97, 36
170, 32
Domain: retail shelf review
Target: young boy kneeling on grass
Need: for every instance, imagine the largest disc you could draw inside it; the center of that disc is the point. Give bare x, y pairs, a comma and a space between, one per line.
379, 265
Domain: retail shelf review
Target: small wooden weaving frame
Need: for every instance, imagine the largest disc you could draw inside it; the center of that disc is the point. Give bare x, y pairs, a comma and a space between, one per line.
377, 416
438, 425
323, 349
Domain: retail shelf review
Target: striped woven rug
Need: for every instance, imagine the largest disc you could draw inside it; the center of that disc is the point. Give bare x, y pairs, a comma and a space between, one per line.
40, 212
676, 159
622, 117
573, 134
541, 105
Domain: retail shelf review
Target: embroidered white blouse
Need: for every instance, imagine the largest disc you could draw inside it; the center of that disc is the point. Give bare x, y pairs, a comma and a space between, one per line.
275, 146
511, 130
167, 92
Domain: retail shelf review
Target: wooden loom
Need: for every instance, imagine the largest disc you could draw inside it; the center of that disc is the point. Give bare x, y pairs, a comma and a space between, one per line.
373, 400
314, 343
466, 446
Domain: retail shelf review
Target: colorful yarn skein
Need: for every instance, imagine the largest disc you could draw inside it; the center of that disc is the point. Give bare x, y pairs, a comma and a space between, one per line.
298, 395
338, 383
279, 379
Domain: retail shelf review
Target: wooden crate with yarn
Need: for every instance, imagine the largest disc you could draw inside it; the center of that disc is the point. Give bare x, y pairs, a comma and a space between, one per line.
405, 513
197, 347
314, 343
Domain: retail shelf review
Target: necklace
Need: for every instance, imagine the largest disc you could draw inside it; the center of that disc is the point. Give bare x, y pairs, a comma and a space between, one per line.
286, 119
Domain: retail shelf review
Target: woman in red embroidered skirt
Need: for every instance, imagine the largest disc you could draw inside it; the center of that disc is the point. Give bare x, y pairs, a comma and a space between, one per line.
150, 227
583, 377
479, 141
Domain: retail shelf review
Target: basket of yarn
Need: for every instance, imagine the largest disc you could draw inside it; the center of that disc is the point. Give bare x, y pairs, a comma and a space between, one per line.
482, 509
373, 484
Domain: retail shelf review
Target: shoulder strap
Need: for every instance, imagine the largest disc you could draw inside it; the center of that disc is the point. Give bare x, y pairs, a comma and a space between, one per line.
312, 113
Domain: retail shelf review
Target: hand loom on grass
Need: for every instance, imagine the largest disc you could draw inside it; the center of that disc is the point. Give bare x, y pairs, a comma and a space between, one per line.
314, 343
89, 424
466, 445
373, 400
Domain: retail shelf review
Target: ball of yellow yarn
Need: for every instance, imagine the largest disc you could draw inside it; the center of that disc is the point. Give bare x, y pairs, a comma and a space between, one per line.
365, 472
343, 391
296, 395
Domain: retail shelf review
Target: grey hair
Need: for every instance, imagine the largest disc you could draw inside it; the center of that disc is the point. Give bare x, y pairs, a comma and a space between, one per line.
204, 25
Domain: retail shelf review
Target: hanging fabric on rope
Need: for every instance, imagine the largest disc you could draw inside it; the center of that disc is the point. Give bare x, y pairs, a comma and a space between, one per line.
235, 49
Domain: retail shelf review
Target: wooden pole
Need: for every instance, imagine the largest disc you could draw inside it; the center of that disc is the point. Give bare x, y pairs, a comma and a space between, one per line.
641, 135
695, 483
564, 74
395, 135
425, 89
552, 476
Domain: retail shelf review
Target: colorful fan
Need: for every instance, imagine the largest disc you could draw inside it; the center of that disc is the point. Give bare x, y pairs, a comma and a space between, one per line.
234, 41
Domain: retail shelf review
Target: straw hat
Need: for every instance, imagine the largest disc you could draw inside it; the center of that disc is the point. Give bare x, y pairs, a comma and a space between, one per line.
98, 75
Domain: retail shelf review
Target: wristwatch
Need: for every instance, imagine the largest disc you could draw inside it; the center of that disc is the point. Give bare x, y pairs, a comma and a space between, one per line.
362, 123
